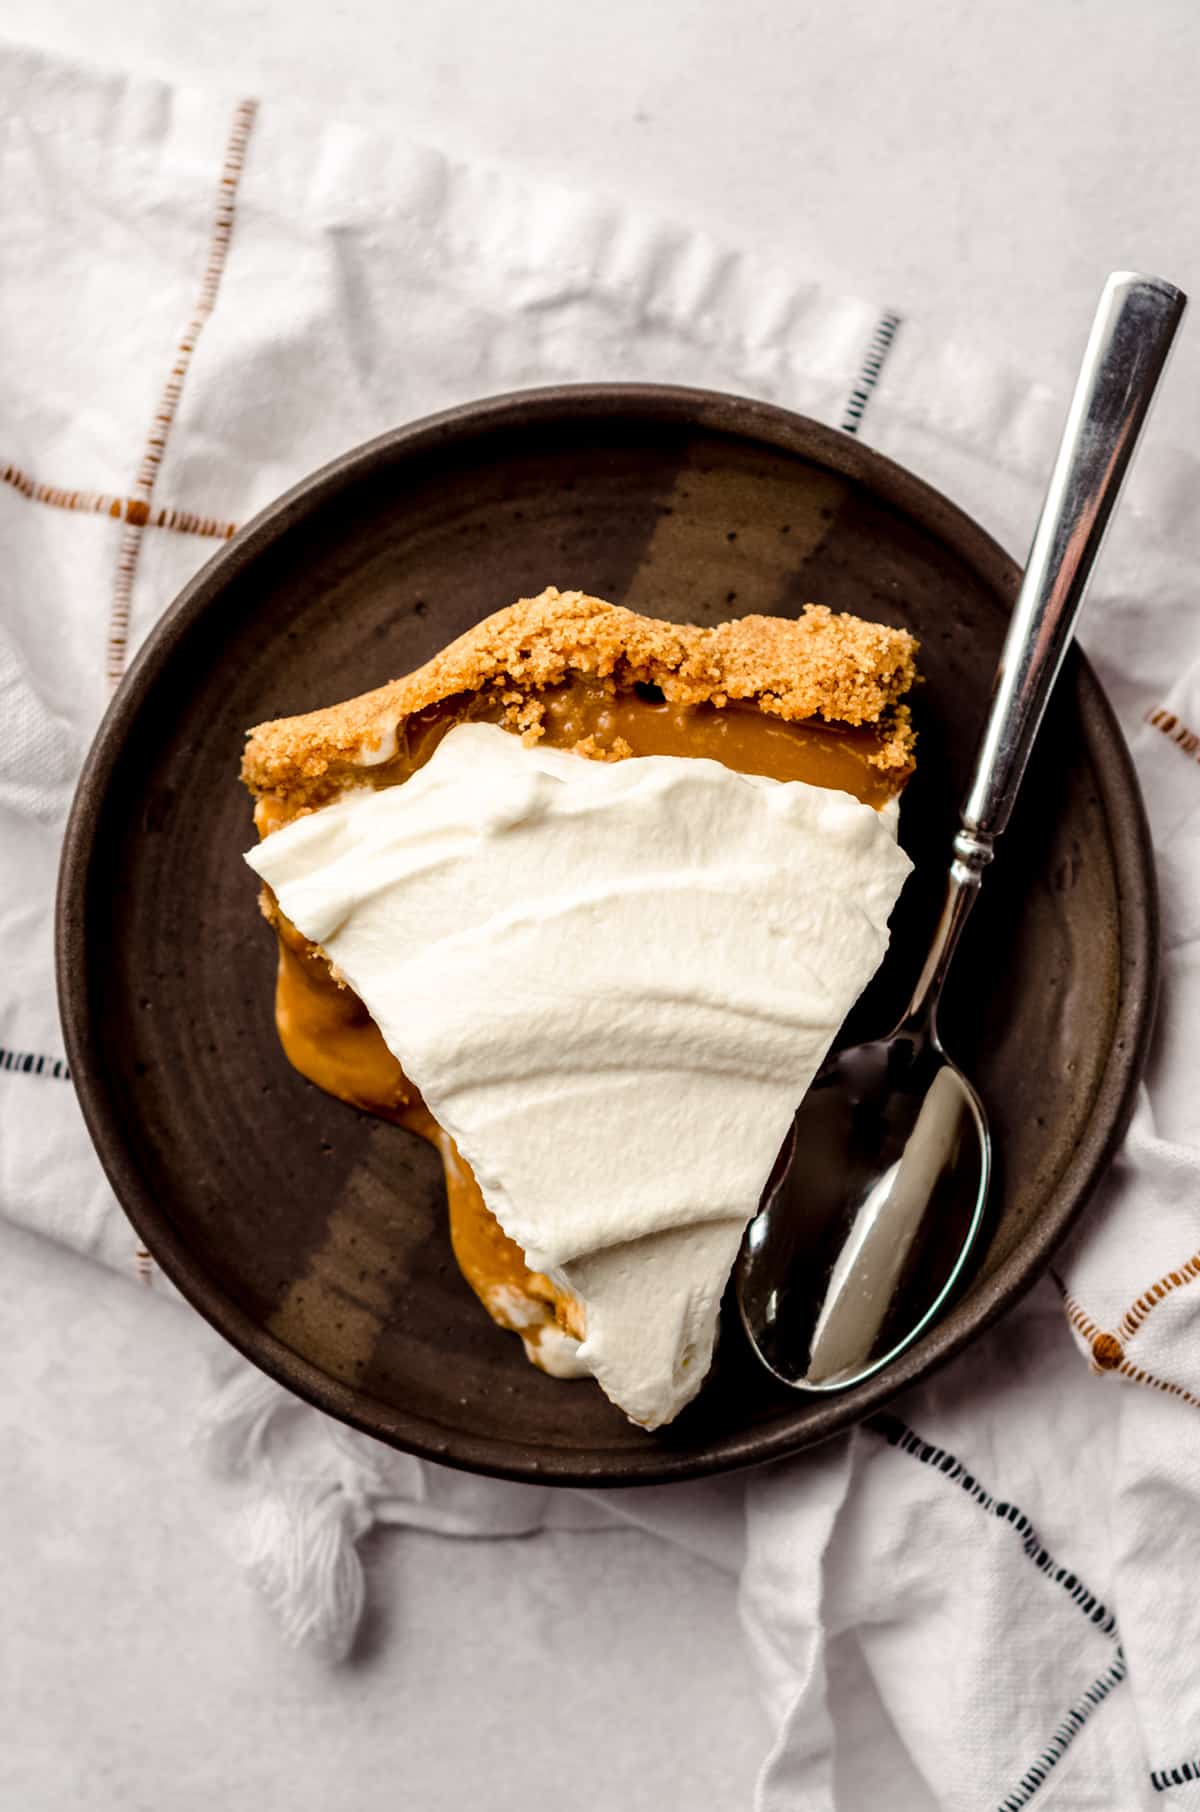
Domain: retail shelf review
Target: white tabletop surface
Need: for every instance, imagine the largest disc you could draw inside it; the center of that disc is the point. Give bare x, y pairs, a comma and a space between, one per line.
982, 165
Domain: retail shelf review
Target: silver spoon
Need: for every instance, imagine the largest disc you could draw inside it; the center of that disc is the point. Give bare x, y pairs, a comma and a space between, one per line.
877, 1198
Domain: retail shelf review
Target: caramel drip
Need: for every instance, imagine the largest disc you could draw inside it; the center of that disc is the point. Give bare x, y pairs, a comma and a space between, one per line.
328, 1035
493, 1264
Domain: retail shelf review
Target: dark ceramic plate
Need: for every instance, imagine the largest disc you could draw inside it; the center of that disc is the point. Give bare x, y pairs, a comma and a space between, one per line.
315, 1238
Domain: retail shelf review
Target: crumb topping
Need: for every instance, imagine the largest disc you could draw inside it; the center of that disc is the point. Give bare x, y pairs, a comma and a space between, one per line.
818, 665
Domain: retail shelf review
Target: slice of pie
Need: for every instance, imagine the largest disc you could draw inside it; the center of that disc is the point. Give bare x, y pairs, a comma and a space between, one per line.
599, 985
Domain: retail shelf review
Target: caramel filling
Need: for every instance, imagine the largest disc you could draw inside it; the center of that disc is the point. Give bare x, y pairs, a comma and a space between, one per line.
328, 1035
592, 720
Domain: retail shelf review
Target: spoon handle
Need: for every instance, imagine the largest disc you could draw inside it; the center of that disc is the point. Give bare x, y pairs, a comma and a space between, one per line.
1127, 349
1126, 352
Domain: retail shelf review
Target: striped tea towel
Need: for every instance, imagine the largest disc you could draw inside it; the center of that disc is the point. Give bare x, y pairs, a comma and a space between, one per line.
983, 1599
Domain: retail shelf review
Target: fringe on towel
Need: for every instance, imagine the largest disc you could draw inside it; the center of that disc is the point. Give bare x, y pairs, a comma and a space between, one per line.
298, 1537
314, 1489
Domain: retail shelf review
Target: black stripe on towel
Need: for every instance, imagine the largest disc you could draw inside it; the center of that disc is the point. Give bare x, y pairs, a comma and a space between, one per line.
28, 1063
1162, 1778
898, 1434
880, 345
1065, 1735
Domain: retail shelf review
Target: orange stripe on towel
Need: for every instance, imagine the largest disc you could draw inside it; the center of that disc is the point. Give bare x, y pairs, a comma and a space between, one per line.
164, 415
1179, 734
121, 509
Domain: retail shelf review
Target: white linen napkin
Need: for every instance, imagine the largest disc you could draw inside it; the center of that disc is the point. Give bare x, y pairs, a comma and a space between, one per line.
981, 1599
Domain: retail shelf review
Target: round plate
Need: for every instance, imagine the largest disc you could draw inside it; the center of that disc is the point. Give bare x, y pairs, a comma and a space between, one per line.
315, 1237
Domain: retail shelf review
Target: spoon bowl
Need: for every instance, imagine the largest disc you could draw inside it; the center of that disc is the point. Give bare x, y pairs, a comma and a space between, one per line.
872, 1214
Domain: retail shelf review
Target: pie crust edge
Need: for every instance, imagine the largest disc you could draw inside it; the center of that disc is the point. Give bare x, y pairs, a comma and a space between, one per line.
818, 665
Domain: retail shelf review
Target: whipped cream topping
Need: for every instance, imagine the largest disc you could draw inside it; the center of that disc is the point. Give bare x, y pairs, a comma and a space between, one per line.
612, 984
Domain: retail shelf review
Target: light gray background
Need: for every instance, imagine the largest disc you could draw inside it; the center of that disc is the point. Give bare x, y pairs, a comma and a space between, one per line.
982, 165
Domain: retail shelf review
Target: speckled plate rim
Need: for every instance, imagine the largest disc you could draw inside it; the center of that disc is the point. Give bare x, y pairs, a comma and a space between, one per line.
744, 419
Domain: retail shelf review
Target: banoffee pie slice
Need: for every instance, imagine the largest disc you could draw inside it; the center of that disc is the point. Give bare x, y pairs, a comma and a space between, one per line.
584, 901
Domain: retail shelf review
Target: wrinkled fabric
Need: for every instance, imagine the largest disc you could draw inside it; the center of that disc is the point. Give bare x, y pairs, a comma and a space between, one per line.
984, 1596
